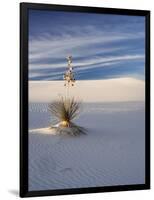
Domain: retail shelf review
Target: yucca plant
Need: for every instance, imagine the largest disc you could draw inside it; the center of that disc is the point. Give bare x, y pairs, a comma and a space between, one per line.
64, 112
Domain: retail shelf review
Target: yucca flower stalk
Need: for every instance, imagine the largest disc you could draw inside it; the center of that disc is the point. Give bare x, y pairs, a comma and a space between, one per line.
65, 111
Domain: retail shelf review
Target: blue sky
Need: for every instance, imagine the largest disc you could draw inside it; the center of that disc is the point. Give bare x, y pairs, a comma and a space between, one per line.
103, 46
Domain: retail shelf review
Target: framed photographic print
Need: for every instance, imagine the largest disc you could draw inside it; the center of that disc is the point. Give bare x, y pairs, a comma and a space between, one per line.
85, 99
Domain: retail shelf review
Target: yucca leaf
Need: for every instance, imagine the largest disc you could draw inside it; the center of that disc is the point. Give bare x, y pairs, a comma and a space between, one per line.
67, 109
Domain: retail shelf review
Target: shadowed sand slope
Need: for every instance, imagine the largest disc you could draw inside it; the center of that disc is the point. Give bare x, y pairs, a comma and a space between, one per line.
112, 152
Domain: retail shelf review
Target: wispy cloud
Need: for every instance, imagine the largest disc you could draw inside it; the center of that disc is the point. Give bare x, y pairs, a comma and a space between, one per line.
91, 47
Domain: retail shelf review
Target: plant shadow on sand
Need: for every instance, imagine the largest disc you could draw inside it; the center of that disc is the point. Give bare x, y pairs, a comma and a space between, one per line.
64, 111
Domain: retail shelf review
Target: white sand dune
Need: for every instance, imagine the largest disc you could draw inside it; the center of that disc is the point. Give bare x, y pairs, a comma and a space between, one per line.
110, 90
46, 130
112, 152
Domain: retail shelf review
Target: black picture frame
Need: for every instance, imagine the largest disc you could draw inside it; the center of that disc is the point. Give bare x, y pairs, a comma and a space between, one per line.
24, 99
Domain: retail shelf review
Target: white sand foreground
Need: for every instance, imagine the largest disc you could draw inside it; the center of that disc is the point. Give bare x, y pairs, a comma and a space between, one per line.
112, 152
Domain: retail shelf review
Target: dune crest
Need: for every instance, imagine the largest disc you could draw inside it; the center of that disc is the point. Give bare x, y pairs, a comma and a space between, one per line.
119, 89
